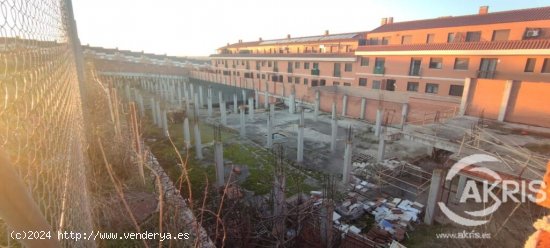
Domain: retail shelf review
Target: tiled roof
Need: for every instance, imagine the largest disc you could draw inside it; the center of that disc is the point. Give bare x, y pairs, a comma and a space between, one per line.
298, 40
483, 45
521, 15
299, 55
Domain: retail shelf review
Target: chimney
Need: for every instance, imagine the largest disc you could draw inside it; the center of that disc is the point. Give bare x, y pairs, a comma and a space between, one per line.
390, 20
326, 32
240, 41
261, 39
228, 44
384, 21
288, 36
483, 10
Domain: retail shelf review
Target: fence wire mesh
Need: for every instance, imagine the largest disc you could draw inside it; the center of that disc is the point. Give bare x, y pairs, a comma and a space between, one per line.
41, 119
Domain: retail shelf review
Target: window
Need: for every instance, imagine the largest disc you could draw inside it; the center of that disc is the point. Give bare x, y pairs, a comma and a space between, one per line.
436, 63
322, 82
297, 65
306, 65
430, 38
376, 84
305, 81
546, 66
450, 37
412, 86
348, 67
379, 65
385, 40
432, 88
263, 76
314, 82
530, 65
456, 90
499, 35
315, 65
290, 79
364, 61
296, 80
268, 63
461, 63
347, 84
281, 78
335, 83
337, 72
362, 82
414, 68
473, 36
263, 62
406, 39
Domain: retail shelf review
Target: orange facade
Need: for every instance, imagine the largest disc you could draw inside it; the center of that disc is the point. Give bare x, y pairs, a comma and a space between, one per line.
423, 64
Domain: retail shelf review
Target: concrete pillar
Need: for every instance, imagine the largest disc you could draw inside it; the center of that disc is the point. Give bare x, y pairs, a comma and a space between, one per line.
292, 103
178, 91
243, 123
220, 96
316, 109
196, 104
165, 123
378, 126
505, 100
363, 107
256, 100
198, 140
465, 96
127, 91
334, 125
186, 133
435, 192
223, 113
460, 187
220, 170
244, 96
209, 99
159, 115
185, 91
201, 96
269, 132
381, 148
346, 173
153, 110
266, 100
300, 152
235, 104
192, 88
344, 105
141, 105
251, 108
404, 114
272, 111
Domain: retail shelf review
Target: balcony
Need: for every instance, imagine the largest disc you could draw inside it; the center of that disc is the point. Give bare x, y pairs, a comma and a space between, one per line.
486, 74
379, 70
275, 69
315, 72
415, 72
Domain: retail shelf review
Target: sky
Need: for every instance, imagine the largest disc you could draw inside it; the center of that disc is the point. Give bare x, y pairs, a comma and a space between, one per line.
199, 27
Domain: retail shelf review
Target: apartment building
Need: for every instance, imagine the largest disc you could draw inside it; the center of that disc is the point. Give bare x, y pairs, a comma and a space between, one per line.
491, 64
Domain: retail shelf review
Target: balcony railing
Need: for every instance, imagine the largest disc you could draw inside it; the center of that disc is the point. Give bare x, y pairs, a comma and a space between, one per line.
275, 69
289, 70
337, 74
486, 74
315, 72
379, 70
415, 72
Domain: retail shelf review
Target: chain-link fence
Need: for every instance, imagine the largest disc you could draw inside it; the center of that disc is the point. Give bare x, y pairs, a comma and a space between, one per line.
41, 118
